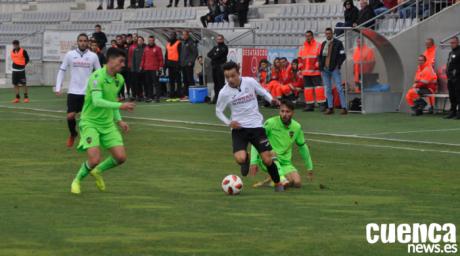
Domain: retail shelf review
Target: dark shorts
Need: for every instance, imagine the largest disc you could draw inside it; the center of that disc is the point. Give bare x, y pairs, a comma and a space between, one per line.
424, 91
75, 103
256, 136
19, 78
312, 81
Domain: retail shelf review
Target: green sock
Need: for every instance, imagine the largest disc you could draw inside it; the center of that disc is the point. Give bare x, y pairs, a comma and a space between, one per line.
108, 163
83, 172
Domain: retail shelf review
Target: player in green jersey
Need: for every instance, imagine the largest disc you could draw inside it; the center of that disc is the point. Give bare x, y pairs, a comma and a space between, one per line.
282, 132
100, 115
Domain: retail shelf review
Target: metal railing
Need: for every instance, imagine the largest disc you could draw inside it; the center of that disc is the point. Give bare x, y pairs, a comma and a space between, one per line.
403, 16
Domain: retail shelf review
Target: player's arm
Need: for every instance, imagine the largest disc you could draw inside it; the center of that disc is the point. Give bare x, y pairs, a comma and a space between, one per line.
61, 73
304, 152
100, 102
262, 92
221, 105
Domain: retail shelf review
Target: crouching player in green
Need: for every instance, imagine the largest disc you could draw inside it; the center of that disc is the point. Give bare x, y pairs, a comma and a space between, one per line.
100, 115
282, 132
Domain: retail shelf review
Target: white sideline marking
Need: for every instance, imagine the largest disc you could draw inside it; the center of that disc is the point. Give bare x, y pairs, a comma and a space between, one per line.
315, 140
417, 131
222, 125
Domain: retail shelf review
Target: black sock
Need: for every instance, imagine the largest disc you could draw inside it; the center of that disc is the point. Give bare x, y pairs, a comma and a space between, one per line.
26, 96
18, 96
273, 171
72, 124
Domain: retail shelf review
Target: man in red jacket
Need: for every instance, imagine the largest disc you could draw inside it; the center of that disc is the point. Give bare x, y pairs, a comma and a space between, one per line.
151, 63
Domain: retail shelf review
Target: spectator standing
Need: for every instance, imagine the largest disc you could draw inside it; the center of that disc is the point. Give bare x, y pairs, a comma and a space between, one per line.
242, 7
138, 75
308, 61
151, 63
120, 4
218, 56
131, 48
453, 78
109, 4
366, 13
172, 56
430, 51
20, 59
176, 2
331, 57
100, 37
351, 15
187, 57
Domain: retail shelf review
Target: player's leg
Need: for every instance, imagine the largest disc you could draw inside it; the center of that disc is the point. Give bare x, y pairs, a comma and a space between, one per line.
112, 140
74, 105
267, 180
240, 144
259, 139
294, 179
94, 157
26, 92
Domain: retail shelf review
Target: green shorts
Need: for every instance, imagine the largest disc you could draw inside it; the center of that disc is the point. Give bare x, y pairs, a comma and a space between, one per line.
107, 137
283, 168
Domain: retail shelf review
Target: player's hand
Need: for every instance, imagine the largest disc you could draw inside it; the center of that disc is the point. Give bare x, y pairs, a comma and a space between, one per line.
58, 93
235, 125
275, 102
253, 169
129, 106
310, 176
124, 126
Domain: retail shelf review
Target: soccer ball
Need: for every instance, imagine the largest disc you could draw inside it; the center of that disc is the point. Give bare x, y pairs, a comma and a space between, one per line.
232, 185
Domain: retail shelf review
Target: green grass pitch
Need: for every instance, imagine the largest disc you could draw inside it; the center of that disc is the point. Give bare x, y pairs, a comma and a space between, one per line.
167, 200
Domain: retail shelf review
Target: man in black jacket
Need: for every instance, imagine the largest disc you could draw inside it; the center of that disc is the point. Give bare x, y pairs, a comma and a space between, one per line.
100, 37
242, 8
453, 78
218, 56
188, 55
366, 13
331, 58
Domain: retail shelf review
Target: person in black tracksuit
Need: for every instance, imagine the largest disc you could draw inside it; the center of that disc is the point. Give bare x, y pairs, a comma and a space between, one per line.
188, 55
242, 8
138, 75
218, 56
453, 78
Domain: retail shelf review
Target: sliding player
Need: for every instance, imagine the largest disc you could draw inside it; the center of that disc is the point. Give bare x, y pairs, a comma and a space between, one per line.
282, 132
101, 113
82, 63
240, 94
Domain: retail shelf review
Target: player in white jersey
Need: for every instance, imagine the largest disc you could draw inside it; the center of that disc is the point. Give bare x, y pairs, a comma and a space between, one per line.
82, 63
240, 94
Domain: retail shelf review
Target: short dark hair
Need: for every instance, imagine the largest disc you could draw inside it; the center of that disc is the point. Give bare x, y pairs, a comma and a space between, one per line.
97, 26
283, 58
230, 65
115, 53
152, 37
309, 32
454, 37
289, 104
118, 36
141, 37
129, 35
82, 34
329, 29
15, 42
113, 41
